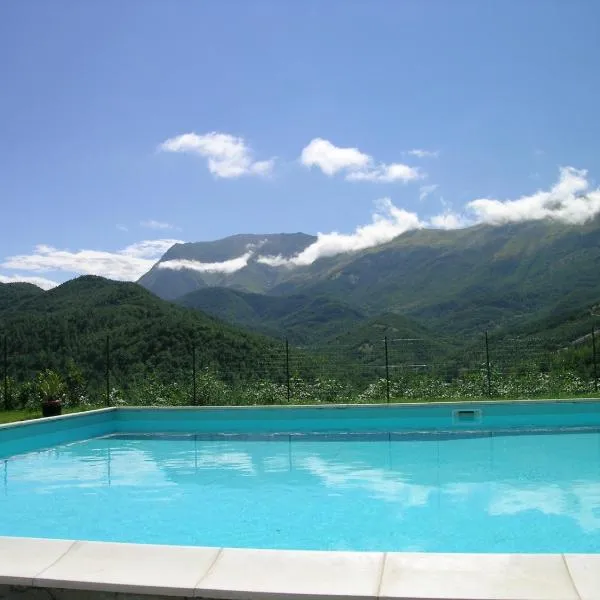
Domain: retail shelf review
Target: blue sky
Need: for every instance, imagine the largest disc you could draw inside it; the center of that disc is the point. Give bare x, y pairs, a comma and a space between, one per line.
301, 117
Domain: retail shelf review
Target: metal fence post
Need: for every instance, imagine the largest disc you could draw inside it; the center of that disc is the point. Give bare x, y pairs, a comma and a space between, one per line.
107, 374
387, 370
595, 359
194, 397
487, 365
287, 369
5, 375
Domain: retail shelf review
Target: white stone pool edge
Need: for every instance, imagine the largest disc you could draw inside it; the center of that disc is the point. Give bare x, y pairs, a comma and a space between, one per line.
248, 574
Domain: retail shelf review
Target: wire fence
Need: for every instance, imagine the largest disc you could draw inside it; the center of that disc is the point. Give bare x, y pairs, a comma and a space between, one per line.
386, 369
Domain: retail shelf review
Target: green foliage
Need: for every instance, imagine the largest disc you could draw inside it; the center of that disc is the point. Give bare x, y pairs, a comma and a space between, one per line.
210, 389
50, 386
302, 319
148, 337
154, 391
260, 392
75, 384
14, 293
57, 346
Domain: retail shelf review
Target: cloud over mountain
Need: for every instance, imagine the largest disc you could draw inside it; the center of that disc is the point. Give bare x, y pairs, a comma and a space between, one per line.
227, 266
388, 222
569, 200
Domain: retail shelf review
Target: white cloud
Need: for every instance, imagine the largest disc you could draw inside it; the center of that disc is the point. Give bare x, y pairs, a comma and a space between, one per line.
569, 201
387, 223
426, 190
227, 266
424, 153
122, 227
157, 225
149, 249
332, 159
386, 174
228, 156
356, 165
42, 282
448, 220
128, 264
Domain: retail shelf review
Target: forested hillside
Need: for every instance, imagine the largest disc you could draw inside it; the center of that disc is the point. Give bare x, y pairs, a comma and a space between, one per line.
147, 336
300, 319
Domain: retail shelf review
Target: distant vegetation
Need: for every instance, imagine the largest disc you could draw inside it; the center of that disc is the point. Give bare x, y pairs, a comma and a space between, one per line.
152, 345
301, 319
405, 321
67, 328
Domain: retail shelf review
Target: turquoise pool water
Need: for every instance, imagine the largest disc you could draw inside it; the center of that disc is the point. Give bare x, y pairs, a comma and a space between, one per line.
464, 489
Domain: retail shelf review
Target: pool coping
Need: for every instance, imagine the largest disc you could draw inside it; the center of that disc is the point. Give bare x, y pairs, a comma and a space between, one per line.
73, 415
339, 405
251, 574
332, 405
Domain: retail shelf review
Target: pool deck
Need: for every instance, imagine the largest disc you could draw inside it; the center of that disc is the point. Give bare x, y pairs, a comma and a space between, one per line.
63, 569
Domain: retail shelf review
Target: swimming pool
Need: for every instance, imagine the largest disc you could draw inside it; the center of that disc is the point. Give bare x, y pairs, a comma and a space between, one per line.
485, 478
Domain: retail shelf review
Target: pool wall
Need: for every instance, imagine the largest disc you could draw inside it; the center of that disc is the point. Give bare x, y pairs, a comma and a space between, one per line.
362, 418
27, 436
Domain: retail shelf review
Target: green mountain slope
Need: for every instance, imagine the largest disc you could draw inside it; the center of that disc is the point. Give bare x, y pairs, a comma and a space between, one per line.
11, 294
148, 336
562, 327
464, 281
302, 319
408, 344
457, 282
392, 326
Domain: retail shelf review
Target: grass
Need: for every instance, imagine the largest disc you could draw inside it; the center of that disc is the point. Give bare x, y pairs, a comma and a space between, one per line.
11, 416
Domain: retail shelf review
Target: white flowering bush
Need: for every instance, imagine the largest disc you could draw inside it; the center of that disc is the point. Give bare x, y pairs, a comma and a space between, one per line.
211, 390
261, 392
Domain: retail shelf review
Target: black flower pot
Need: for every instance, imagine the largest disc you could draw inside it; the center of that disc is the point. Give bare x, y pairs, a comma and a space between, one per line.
52, 408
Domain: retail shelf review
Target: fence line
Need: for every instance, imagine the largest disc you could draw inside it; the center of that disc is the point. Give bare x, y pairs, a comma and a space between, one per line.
373, 369
595, 360
5, 373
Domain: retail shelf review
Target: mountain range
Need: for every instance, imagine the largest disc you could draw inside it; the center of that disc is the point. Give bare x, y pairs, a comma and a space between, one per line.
430, 290
455, 282
427, 297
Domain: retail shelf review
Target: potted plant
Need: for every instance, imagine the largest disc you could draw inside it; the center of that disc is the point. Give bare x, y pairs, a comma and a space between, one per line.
51, 389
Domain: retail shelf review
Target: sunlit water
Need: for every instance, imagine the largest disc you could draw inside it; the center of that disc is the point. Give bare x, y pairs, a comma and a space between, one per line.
517, 493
